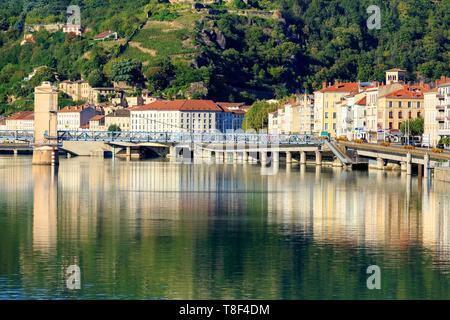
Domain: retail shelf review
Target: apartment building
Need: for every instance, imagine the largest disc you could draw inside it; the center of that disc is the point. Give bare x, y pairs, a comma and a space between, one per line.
22, 120
295, 116
437, 112
325, 113
97, 123
351, 119
120, 118
184, 115
80, 90
396, 107
74, 118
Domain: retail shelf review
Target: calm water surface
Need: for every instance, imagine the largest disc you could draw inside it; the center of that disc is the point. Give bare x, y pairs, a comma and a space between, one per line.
160, 230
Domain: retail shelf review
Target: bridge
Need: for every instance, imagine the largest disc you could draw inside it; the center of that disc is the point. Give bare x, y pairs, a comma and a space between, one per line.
165, 137
395, 155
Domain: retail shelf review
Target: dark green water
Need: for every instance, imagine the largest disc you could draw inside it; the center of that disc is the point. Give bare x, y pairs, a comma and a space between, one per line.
159, 230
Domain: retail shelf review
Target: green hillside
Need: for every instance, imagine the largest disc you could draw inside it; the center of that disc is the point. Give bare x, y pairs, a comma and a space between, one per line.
223, 52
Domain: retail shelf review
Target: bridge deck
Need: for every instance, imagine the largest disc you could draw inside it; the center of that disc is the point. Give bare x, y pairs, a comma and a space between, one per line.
396, 150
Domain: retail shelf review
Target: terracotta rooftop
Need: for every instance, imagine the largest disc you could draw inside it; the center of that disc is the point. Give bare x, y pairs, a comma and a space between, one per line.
342, 87
22, 115
97, 117
231, 104
73, 109
443, 81
405, 93
180, 105
362, 102
103, 34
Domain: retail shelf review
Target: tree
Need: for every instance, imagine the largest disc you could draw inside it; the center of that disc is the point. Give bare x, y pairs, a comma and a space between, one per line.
256, 118
114, 128
129, 71
160, 77
414, 127
96, 79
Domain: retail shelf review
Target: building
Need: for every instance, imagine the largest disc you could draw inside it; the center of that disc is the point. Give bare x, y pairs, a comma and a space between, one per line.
73, 118
285, 120
119, 117
106, 35
437, 112
184, 115
22, 120
395, 75
431, 120
400, 105
80, 90
75, 29
306, 114
97, 123
2, 124
351, 118
325, 113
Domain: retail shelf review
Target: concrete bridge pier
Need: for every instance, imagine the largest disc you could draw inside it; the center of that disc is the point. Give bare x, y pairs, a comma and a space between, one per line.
403, 166
288, 157
426, 167
318, 158
276, 156
380, 163
128, 152
408, 164
245, 156
302, 157
263, 158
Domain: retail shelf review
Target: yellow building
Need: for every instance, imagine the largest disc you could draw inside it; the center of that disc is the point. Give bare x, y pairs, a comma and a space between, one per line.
325, 113
396, 107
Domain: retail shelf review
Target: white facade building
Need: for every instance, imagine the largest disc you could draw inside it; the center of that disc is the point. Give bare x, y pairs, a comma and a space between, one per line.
184, 116
74, 118
22, 120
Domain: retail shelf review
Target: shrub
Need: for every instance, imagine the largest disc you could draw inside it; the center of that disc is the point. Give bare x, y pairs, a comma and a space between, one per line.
408, 147
359, 141
437, 150
386, 144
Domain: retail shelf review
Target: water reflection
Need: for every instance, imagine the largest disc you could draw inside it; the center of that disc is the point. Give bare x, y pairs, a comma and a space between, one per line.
168, 230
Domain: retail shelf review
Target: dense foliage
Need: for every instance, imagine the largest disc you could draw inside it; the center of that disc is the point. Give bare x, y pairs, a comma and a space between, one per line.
274, 49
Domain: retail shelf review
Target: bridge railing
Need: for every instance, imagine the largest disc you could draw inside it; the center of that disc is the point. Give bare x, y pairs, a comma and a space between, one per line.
186, 137
17, 135
166, 137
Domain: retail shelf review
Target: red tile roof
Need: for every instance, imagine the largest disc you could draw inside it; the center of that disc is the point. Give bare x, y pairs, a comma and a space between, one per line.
97, 117
73, 109
362, 102
103, 34
342, 87
180, 105
405, 93
2, 122
22, 115
443, 81
231, 104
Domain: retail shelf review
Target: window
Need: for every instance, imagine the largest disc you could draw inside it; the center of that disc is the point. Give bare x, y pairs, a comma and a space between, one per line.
399, 104
390, 104
391, 115
326, 115
334, 115
400, 115
418, 104
409, 104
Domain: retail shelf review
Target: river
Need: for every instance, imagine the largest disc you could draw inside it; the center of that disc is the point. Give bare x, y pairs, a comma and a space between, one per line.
162, 230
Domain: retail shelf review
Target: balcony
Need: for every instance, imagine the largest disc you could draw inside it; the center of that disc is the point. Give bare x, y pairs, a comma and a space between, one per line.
440, 96
440, 108
440, 118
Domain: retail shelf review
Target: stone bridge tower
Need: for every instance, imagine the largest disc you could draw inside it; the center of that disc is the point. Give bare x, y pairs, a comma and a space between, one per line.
45, 125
